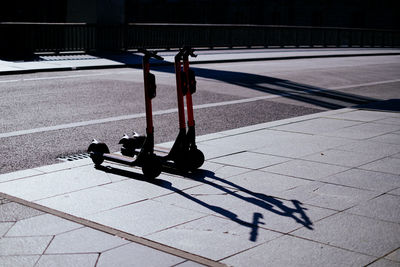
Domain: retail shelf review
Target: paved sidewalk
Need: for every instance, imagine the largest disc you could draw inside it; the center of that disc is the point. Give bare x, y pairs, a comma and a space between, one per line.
316, 190
83, 61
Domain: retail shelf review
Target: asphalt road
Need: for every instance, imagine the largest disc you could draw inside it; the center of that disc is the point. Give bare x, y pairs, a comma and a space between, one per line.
48, 115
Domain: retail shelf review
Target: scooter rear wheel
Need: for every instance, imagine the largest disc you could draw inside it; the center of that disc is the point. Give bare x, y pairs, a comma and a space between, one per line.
151, 167
96, 151
196, 159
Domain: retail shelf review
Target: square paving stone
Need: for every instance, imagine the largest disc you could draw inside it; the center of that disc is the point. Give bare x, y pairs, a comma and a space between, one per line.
343, 158
387, 138
20, 261
389, 165
364, 131
391, 120
385, 207
12, 212
356, 233
384, 263
88, 201
394, 256
248, 207
372, 148
328, 195
4, 227
210, 169
42, 225
250, 160
213, 237
292, 251
83, 240
395, 192
362, 115
134, 254
363, 179
316, 126
28, 245
144, 218
69, 260
305, 169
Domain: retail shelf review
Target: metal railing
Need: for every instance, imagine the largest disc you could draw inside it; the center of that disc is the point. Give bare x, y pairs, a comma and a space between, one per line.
58, 37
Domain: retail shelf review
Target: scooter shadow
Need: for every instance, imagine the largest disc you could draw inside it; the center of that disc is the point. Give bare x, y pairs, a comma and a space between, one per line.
260, 200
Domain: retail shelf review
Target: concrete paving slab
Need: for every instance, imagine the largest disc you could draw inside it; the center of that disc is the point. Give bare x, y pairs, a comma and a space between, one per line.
89, 201
389, 165
345, 230
42, 225
292, 251
250, 160
317, 125
21, 261
248, 207
372, 147
363, 131
5, 227
213, 232
328, 195
55, 183
19, 174
83, 240
394, 256
69, 260
363, 179
343, 158
136, 255
28, 245
189, 264
384, 207
64, 165
210, 169
305, 169
395, 192
391, 120
363, 115
144, 218
384, 263
392, 138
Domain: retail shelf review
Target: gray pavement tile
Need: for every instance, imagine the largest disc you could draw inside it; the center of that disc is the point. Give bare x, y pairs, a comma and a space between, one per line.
83, 240
262, 182
363, 179
55, 183
384, 263
292, 251
4, 227
65, 165
18, 175
356, 233
305, 169
372, 147
189, 264
248, 207
18, 261
364, 131
385, 207
343, 158
316, 126
42, 225
88, 201
69, 260
144, 218
136, 255
213, 237
211, 169
396, 156
391, 138
250, 160
299, 145
28, 245
328, 195
395, 192
12, 212
362, 115
389, 165
394, 256
392, 120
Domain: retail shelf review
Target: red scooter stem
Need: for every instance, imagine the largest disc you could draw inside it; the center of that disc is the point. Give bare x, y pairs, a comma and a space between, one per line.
149, 114
181, 106
189, 103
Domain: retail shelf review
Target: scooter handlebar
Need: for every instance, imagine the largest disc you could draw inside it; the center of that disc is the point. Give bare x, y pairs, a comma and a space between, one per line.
150, 54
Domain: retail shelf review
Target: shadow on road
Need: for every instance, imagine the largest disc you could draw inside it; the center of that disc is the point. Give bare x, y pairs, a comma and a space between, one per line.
260, 200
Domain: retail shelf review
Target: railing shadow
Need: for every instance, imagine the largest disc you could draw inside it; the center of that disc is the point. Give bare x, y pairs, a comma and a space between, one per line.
263, 201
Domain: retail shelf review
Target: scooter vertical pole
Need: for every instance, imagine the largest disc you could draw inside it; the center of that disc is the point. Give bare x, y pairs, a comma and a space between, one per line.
189, 103
149, 116
181, 106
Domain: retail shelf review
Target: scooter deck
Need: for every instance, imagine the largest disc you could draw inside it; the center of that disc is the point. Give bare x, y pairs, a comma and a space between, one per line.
119, 158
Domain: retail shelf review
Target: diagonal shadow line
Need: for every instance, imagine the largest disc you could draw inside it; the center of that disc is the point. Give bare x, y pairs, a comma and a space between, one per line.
266, 202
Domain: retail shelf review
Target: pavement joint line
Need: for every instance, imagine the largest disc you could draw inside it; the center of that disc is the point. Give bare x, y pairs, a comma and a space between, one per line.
136, 239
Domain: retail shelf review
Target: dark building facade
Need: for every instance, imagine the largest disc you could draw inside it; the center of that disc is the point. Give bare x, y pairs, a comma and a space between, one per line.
382, 14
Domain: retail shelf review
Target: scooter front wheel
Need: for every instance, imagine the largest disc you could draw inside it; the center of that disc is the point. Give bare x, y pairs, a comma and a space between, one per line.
196, 159
96, 151
151, 167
